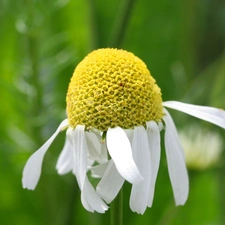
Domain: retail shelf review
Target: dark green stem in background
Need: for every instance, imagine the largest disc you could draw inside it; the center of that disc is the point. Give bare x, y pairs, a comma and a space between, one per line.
169, 215
73, 197
93, 24
121, 23
116, 210
221, 189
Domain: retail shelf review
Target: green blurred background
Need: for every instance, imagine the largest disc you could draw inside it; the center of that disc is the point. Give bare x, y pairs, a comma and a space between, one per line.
41, 42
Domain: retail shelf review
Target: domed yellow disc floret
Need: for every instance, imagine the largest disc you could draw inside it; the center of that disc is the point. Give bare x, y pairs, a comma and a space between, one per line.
110, 88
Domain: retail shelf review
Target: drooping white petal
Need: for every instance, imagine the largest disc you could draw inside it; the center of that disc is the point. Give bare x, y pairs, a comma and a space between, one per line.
210, 114
80, 158
32, 169
176, 161
120, 150
90, 163
129, 133
140, 191
110, 184
91, 200
95, 148
99, 170
104, 152
153, 132
93, 141
160, 125
64, 163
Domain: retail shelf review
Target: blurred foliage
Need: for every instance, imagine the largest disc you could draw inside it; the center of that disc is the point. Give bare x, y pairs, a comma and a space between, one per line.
182, 42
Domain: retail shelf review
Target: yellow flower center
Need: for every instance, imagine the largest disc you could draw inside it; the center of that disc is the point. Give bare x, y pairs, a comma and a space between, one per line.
110, 88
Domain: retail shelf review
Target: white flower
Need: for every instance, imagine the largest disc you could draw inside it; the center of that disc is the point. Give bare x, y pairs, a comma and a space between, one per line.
115, 109
135, 156
202, 148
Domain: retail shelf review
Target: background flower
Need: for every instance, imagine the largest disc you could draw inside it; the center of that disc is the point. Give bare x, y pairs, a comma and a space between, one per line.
203, 148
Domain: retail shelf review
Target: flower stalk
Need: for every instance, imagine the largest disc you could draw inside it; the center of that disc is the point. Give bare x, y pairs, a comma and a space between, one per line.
121, 23
116, 210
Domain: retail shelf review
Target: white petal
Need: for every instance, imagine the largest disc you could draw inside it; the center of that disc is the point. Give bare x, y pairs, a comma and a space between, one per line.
120, 150
176, 162
65, 160
80, 159
91, 200
129, 133
153, 132
141, 154
110, 184
95, 148
210, 114
90, 163
102, 150
93, 141
99, 170
86, 204
104, 153
32, 169
161, 126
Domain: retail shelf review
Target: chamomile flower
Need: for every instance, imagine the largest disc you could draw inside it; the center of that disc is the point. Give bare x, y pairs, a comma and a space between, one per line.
203, 148
115, 114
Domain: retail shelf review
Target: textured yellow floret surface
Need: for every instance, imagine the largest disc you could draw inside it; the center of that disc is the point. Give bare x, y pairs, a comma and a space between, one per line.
110, 88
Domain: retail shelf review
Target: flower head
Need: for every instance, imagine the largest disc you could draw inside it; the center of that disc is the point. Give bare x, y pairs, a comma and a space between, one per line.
115, 115
202, 148
112, 88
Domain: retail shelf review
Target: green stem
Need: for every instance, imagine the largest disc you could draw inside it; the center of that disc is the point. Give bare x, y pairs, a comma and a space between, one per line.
169, 215
116, 210
73, 198
93, 24
121, 22
221, 190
